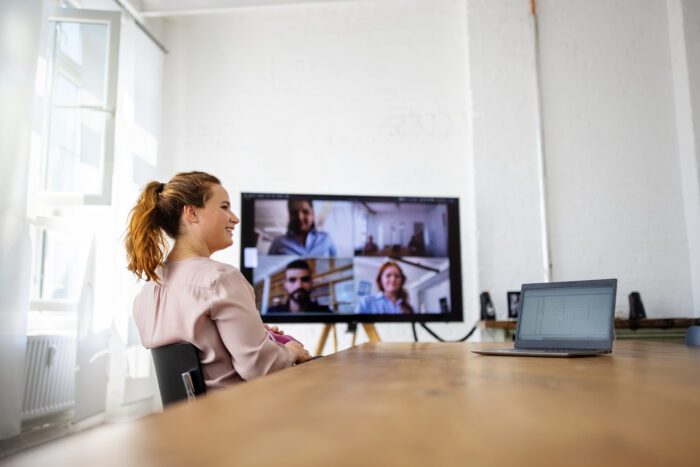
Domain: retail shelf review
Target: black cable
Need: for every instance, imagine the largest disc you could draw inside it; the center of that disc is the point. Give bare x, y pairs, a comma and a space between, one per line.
415, 335
430, 331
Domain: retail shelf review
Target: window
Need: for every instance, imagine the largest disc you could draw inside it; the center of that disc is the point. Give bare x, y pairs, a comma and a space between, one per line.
58, 274
72, 159
80, 97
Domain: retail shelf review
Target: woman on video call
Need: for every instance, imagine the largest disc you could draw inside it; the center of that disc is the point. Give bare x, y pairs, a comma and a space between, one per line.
188, 297
302, 237
393, 298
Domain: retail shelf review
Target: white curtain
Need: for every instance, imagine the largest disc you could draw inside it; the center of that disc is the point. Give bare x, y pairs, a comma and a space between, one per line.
131, 381
21, 25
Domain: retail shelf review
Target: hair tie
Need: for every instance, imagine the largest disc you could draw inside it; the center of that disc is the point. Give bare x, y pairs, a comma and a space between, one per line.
160, 188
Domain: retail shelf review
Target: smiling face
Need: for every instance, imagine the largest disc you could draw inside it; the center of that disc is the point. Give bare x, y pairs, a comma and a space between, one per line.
391, 280
216, 221
301, 217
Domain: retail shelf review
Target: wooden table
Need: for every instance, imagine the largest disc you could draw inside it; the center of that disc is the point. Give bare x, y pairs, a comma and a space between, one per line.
423, 404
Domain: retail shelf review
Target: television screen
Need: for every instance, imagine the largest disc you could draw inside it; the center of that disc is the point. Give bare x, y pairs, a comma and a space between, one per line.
330, 258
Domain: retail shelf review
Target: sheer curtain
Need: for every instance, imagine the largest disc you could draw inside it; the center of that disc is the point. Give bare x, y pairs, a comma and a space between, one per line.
114, 372
21, 26
132, 387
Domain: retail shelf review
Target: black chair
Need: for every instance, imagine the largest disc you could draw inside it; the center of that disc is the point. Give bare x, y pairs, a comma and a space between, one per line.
178, 371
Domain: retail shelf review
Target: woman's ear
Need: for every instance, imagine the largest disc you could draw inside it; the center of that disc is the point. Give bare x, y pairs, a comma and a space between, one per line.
190, 214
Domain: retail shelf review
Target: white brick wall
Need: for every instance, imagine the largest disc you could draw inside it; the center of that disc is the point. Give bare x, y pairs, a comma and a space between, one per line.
375, 97
505, 131
615, 198
684, 26
343, 97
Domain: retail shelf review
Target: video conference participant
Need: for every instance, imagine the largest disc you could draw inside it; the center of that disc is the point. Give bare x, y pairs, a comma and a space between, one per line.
297, 284
302, 238
370, 246
393, 299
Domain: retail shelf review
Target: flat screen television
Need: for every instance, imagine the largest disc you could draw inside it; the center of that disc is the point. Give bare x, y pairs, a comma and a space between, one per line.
331, 258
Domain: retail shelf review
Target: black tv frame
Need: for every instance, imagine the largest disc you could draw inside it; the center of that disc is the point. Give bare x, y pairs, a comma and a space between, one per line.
456, 313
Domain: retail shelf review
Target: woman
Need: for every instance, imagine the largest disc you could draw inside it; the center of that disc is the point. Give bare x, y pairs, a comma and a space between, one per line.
393, 298
302, 238
190, 297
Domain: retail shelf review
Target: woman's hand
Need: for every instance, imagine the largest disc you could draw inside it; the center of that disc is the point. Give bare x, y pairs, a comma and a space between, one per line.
301, 355
274, 329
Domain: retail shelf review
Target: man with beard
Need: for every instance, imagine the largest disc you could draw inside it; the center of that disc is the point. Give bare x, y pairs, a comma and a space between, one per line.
297, 284
302, 238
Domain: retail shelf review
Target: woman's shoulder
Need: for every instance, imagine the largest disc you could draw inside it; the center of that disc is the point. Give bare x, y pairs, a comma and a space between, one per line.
324, 236
202, 271
277, 246
223, 270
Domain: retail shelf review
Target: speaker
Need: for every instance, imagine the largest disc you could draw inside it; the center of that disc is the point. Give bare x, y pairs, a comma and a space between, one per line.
636, 306
488, 312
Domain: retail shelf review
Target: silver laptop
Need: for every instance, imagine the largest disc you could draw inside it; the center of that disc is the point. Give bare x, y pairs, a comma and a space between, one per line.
564, 319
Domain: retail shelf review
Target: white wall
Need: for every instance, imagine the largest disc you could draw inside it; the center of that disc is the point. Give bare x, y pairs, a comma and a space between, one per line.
615, 202
347, 97
505, 151
684, 34
691, 28
614, 191
377, 98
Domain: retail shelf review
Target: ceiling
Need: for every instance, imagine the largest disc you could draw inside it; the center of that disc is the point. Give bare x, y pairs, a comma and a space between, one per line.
163, 8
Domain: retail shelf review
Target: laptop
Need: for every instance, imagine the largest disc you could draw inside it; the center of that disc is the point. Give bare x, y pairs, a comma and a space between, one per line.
564, 319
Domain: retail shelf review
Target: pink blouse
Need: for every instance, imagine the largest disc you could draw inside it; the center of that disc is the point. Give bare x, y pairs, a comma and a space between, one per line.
212, 306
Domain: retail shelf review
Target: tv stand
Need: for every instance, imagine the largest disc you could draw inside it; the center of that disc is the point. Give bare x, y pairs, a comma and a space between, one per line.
369, 328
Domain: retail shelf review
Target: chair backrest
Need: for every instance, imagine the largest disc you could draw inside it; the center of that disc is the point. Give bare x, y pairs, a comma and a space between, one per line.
178, 371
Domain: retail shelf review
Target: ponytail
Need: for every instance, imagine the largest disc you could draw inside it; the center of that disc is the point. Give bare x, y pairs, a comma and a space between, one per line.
145, 242
157, 212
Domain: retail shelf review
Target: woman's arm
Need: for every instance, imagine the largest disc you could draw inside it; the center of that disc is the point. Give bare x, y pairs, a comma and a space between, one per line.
241, 329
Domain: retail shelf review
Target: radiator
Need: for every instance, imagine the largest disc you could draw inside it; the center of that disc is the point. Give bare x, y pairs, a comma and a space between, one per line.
49, 375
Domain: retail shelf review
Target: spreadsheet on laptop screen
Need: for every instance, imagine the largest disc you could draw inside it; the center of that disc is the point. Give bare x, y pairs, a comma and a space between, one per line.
566, 313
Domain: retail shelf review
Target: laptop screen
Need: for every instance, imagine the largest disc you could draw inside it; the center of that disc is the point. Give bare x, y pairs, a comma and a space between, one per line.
566, 313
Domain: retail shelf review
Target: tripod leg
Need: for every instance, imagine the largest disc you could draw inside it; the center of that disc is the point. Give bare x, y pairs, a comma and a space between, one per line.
335, 339
371, 332
322, 340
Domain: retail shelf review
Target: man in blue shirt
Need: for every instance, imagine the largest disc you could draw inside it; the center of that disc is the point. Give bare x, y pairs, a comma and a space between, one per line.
302, 238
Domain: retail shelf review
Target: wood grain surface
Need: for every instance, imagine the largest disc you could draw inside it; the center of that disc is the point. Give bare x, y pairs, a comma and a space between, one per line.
427, 404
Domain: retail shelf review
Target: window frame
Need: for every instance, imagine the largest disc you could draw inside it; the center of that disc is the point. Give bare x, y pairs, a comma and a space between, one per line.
48, 198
